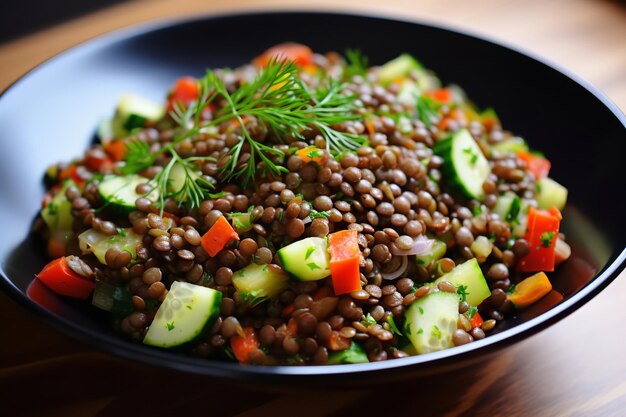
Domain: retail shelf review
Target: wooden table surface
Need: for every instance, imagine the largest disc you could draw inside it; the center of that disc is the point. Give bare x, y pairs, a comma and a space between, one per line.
575, 368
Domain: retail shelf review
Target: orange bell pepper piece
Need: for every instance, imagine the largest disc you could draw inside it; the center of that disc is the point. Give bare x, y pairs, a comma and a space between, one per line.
214, 240
344, 261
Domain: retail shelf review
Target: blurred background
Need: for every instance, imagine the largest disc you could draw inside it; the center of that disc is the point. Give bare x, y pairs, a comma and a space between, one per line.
585, 36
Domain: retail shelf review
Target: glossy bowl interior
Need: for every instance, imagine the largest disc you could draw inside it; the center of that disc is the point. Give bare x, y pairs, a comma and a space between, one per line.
51, 113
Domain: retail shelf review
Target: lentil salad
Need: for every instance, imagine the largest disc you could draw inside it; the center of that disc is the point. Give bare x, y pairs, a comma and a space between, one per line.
305, 209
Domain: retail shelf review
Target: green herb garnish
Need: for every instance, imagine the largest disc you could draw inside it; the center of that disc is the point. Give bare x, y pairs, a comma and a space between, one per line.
546, 239
309, 252
436, 332
313, 266
471, 312
357, 64
170, 326
252, 298
314, 214
392, 326
462, 291
368, 320
513, 215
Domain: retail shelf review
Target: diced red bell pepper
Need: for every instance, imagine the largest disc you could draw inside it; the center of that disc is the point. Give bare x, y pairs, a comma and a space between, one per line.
116, 149
242, 346
60, 278
476, 320
539, 166
541, 235
290, 51
344, 261
71, 173
441, 95
218, 236
185, 91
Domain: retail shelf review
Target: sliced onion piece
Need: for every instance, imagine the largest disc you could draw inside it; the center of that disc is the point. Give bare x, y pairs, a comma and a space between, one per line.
306, 220
398, 272
562, 251
421, 246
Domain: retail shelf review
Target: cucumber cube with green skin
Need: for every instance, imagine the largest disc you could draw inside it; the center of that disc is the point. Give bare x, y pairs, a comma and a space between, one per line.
133, 111
58, 213
186, 314
464, 165
354, 354
127, 241
510, 145
259, 282
431, 321
306, 259
471, 276
550, 193
119, 193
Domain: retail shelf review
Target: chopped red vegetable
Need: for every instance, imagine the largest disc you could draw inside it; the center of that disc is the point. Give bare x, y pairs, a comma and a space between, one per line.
476, 320
290, 51
71, 173
116, 149
185, 91
542, 234
60, 278
98, 160
344, 261
242, 346
441, 95
538, 165
218, 236
530, 290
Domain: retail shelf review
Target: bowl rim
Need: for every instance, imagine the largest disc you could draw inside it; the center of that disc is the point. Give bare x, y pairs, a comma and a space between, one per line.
133, 351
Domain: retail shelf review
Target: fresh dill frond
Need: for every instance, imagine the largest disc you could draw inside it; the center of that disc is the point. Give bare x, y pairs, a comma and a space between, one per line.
138, 157
357, 64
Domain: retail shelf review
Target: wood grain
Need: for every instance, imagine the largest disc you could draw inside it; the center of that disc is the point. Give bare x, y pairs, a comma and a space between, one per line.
575, 368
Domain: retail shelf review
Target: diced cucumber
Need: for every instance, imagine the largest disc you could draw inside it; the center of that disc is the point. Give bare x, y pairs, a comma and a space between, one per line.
306, 259
178, 177
119, 193
58, 213
354, 354
464, 163
550, 193
510, 145
408, 94
111, 298
105, 131
187, 312
242, 222
431, 321
437, 251
127, 241
508, 207
133, 111
471, 276
398, 68
258, 283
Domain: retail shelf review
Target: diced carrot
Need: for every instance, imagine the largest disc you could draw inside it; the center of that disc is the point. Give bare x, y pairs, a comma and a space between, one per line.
242, 346
441, 95
476, 320
218, 236
289, 51
311, 154
116, 149
542, 234
539, 166
71, 173
344, 261
59, 277
530, 290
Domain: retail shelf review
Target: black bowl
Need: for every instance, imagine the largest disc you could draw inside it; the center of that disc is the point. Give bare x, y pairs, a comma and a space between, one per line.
50, 115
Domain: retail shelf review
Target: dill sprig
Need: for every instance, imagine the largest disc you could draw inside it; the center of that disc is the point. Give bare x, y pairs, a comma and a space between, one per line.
357, 64
279, 100
194, 188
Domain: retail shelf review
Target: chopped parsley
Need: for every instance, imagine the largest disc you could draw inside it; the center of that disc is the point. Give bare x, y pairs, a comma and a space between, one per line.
392, 326
462, 291
315, 153
472, 311
53, 209
537, 187
473, 157
309, 252
264, 268
427, 109
188, 307
477, 211
368, 320
513, 215
436, 332
217, 195
313, 266
170, 326
546, 239
419, 331
314, 214
421, 310
121, 232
